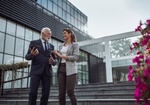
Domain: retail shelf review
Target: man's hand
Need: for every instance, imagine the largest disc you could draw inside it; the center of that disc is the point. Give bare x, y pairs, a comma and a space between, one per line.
51, 60
34, 51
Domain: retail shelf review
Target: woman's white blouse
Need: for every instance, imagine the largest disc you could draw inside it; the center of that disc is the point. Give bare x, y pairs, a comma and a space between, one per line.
64, 52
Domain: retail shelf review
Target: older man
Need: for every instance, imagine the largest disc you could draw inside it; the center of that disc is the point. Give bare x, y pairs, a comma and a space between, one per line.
40, 52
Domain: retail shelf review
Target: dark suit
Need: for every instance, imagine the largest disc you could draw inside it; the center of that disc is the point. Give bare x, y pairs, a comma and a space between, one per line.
41, 70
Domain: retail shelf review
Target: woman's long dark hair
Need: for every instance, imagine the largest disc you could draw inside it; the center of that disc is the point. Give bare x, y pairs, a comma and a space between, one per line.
73, 36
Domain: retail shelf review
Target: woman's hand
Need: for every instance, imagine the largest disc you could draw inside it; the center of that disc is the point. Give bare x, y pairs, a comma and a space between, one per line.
59, 55
56, 53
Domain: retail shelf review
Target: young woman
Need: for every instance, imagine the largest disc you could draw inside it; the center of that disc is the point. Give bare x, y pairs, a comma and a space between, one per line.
67, 70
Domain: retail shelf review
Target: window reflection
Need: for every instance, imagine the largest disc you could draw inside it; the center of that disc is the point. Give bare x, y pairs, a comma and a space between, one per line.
54, 42
11, 27
18, 59
2, 35
68, 8
19, 47
24, 82
64, 5
68, 17
59, 12
28, 34
20, 31
55, 8
55, 1
64, 15
2, 24
9, 44
8, 59
44, 3
50, 5
60, 3
36, 35
26, 47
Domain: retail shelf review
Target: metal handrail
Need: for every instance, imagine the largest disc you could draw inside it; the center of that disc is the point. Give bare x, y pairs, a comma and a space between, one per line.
12, 80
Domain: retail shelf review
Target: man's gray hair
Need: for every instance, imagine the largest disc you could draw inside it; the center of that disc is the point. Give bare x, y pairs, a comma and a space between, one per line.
45, 28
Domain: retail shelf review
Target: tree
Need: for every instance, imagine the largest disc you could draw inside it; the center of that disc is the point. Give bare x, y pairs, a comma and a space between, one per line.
120, 47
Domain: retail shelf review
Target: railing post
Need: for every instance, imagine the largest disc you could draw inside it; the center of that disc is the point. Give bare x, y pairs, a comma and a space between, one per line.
28, 77
2, 84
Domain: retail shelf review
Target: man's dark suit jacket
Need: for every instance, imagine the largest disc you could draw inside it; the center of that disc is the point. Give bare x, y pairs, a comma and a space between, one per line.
40, 62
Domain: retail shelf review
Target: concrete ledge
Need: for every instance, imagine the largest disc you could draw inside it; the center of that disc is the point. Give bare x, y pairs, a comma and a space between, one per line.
55, 100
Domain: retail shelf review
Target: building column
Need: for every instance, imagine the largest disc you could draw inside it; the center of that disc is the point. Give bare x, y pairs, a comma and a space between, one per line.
108, 62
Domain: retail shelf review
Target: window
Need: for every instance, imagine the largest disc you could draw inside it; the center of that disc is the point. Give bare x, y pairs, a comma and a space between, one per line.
68, 17
11, 27
59, 12
9, 44
55, 1
76, 23
26, 47
50, 6
2, 24
36, 35
60, 3
64, 15
20, 31
8, 59
39, 1
18, 59
64, 5
55, 8
28, 34
44, 3
68, 8
19, 47
72, 11
2, 35
55, 44
72, 20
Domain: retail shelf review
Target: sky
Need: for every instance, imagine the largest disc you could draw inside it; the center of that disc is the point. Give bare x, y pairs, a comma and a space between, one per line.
111, 17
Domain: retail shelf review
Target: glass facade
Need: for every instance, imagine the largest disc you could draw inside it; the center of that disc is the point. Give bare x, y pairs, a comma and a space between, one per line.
66, 11
15, 40
82, 66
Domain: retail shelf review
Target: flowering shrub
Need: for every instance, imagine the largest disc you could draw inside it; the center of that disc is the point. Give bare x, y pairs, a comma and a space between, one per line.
140, 73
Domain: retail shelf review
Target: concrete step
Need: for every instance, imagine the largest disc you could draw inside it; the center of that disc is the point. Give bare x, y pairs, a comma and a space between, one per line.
91, 94
79, 96
80, 102
79, 91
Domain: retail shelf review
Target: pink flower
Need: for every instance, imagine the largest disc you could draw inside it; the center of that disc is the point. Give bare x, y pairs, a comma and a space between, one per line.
143, 86
147, 61
147, 103
148, 33
138, 28
131, 48
137, 60
130, 75
135, 44
129, 67
148, 22
137, 94
138, 80
144, 41
147, 72
139, 52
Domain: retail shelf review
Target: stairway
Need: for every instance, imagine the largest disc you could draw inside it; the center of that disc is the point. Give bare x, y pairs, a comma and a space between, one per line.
90, 94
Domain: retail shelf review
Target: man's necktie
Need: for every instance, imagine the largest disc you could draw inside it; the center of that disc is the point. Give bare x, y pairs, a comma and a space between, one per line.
45, 46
